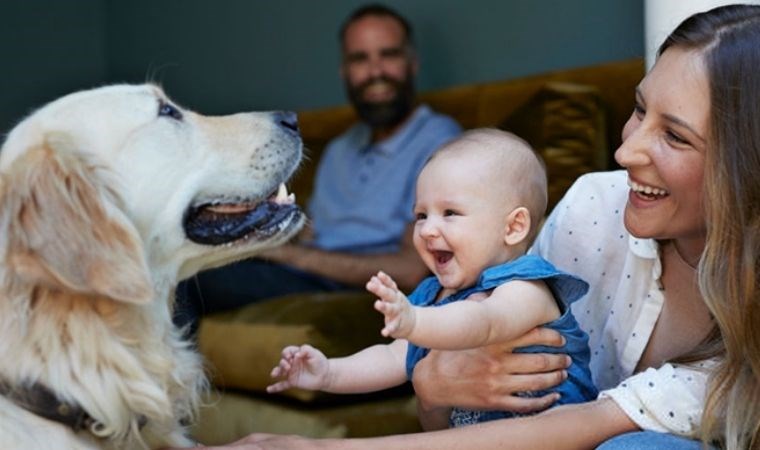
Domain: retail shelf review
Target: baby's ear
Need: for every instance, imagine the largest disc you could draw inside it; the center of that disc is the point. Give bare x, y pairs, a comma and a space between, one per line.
518, 226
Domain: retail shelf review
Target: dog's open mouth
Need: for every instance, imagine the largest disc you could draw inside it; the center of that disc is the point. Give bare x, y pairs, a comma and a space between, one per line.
219, 223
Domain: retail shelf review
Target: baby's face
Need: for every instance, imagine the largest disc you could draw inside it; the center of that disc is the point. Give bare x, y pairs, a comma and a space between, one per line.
460, 219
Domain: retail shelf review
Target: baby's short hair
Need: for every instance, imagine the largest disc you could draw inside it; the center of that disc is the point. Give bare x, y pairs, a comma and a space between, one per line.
521, 170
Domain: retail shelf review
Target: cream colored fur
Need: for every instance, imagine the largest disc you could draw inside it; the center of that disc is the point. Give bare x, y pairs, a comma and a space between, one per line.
93, 189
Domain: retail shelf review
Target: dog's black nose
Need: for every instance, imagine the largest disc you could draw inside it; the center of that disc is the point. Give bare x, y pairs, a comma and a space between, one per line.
287, 120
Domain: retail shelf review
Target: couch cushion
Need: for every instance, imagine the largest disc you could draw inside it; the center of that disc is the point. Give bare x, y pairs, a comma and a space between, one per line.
244, 345
566, 124
230, 416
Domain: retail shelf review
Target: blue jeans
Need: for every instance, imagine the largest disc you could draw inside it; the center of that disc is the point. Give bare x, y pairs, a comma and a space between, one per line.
240, 284
651, 440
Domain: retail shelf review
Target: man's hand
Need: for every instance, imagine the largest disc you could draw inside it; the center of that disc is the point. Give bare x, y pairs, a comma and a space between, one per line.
489, 377
287, 253
283, 254
400, 315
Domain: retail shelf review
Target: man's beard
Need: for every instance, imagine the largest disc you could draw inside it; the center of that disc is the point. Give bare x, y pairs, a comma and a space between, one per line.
384, 114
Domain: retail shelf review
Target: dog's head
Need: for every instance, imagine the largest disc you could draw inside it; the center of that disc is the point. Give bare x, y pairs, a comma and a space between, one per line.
107, 198
119, 190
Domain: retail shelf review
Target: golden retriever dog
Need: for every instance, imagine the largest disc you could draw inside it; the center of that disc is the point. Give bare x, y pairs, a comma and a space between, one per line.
108, 197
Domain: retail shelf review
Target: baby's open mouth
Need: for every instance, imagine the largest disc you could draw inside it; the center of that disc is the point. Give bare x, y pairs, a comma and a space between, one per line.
442, 257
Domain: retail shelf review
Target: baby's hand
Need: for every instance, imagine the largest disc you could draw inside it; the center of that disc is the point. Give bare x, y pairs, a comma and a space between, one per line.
400, 315
302, 367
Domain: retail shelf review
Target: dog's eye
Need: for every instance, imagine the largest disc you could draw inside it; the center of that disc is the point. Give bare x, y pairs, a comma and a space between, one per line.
169, 110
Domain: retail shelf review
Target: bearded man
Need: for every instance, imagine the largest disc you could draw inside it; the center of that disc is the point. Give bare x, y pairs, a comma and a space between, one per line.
361, 207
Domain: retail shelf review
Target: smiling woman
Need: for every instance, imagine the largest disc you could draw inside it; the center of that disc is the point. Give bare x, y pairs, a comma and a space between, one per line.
664, 148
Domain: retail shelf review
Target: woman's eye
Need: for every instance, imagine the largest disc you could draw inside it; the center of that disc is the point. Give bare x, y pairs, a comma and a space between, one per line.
639, 110
673, 137
169, 110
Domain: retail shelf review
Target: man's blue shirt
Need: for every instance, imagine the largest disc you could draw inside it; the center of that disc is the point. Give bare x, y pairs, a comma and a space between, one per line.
364, 192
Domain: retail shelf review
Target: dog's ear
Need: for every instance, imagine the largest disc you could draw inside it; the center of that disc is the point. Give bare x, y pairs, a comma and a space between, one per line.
66, 228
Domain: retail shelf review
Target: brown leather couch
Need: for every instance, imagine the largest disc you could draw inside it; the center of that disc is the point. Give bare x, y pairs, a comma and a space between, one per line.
572, 117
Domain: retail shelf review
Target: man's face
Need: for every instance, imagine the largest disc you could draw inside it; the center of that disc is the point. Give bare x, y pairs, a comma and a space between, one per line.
378, 69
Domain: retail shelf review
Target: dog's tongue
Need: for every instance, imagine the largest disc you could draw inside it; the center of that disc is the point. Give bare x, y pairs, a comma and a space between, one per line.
215, 228
280, 197
219, 224
235, 208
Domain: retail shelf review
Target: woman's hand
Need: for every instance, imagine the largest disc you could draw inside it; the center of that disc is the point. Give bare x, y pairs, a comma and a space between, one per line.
488, 378
260, 441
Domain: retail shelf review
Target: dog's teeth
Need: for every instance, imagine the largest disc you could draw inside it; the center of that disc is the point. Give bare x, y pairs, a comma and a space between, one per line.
292, 198
282, 191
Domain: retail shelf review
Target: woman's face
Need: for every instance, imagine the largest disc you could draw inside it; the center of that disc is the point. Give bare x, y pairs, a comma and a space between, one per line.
663, 149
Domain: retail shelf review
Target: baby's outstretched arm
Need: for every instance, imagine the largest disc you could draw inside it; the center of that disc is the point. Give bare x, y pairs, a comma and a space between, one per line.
400, 315
377, 367
302, 367
508, 312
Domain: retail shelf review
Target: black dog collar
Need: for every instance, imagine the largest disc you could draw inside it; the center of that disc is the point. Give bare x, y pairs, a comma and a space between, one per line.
40, 400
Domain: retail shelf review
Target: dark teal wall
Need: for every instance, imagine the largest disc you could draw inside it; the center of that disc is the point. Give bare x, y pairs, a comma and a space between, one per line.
226, 55
48, 48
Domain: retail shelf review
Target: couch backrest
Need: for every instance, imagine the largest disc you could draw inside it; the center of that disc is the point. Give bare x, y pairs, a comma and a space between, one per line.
572, 117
